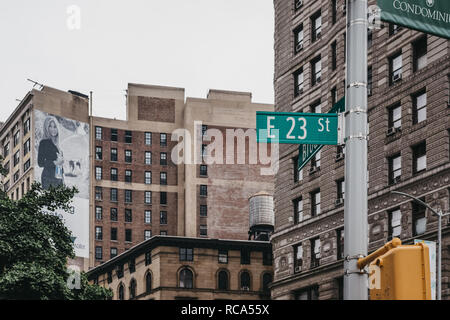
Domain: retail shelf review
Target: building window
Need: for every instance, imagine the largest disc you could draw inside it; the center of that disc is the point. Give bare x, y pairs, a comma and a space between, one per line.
128, 196
340, 184
109, 279
163, 198
315, 161
113, 194
334, 55
26, 147
163, 178
316, 26
333, 11
26, 127
148, 282
315, 203
186, 279
147, 234
334, 96
114, 215
98, 133
113, 252
298, 35
298, 174
419, 218
267, 280
16, 158
7, 167
163, 159
223, 256
98, 253
419, 157
298, 258
316, 71
128, 136
113, 154
204, 131
163, 233
395, 118
222, 280
114, 175
340, 243
267, 258
203, 170
298, 4
98, 153
114, 135
148, 197
128, 237
148, 177
121, 294
311, 293
395, 227
148, 217
128, 156
298, 82
148, 157
98, 233
132, 289
163, 217
245, 256
395, 169
419, 107
369, 38
186, 254
128, 215
315, 252
98, 193
148, 258
369, 81
298, 210
245, 281
128, 176
119, 271
26, 165
148, 138
6, 150
203, 210
395, 68
394, 29
98, 173
203, 230
114, 234
163, 140
203, 190
316, 107
98, 213
16, 139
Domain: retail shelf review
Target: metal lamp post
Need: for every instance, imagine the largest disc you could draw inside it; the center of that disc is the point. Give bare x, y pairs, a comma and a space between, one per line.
440, 216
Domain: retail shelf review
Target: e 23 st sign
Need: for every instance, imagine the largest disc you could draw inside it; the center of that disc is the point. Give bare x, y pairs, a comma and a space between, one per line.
297, 128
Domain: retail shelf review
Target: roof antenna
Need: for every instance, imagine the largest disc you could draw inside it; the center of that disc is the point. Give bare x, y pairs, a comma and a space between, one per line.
36, 84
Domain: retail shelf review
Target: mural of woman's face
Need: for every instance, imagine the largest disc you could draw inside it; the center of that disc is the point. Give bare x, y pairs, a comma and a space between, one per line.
52, 129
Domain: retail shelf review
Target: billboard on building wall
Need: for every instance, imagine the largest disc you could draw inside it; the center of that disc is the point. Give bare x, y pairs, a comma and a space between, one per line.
61, 148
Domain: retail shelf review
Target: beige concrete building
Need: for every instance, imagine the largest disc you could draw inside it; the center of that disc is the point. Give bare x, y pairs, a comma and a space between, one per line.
133, 190
171, 268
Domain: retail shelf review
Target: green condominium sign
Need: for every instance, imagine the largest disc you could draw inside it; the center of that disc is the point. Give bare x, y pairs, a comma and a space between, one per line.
429, 16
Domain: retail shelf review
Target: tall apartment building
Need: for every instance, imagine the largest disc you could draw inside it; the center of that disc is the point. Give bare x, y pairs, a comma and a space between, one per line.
130, 189
408, 96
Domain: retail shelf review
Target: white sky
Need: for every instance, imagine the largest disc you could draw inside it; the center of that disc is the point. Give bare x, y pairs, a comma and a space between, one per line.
193, 44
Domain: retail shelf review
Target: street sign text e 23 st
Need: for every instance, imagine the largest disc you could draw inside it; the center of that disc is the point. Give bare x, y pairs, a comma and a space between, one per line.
297, 128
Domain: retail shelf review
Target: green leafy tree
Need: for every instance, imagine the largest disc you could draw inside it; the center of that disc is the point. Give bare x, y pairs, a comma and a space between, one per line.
35, 246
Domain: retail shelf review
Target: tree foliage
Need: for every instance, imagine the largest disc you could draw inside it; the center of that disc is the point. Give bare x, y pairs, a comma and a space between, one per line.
35, 246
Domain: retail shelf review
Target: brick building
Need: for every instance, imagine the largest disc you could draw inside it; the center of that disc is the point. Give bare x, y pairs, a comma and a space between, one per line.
134, 189
408, 89
171, 268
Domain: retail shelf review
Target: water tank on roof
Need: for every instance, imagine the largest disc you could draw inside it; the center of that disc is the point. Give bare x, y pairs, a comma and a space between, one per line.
261, 219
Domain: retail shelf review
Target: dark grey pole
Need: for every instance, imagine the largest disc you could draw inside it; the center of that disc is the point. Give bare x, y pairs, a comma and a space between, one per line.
355, 210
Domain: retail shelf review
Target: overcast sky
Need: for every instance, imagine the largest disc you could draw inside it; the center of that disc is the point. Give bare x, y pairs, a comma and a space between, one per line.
193, 44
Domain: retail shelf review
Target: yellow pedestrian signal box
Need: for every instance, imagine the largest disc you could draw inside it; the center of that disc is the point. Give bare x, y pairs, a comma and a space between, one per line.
399, 272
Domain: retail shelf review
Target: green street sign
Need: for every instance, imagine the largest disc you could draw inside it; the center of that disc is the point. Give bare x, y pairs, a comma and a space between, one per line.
429, 16
297, 128
306, 152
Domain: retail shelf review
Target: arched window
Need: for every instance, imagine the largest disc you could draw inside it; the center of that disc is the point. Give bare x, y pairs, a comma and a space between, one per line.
186, 279
245, 281
148, 282
132, 289
223, 280
267, 279
121, 292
